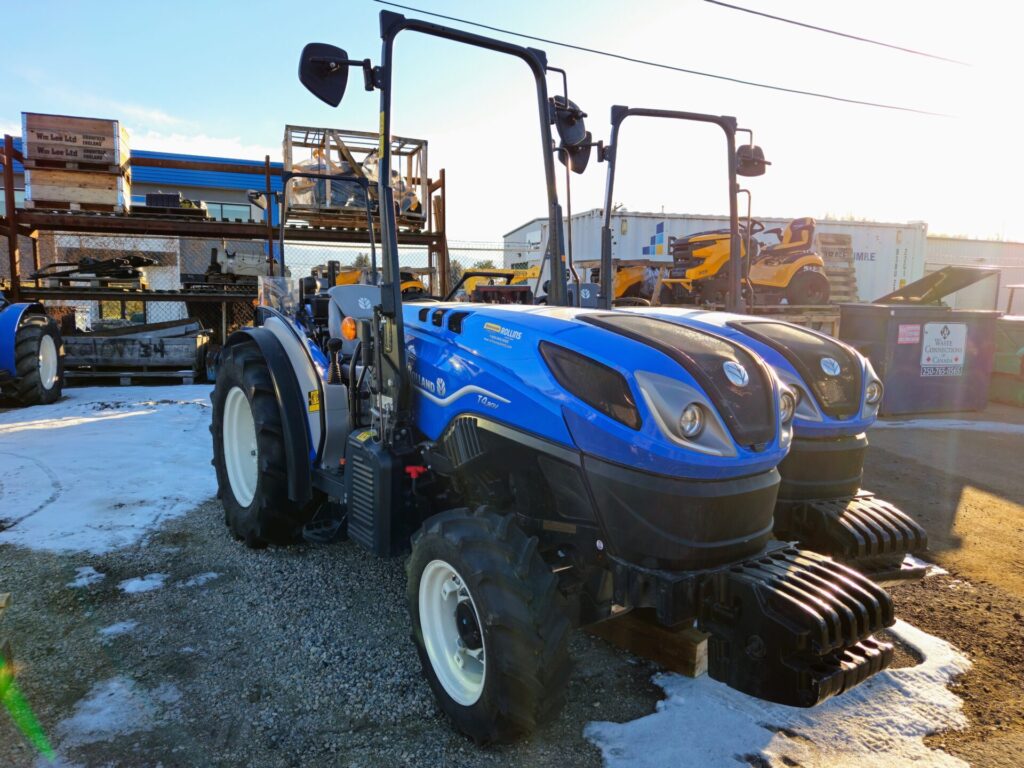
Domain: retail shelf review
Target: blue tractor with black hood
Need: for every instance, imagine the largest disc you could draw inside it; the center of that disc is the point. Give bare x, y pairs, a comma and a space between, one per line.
538, 462
835, 395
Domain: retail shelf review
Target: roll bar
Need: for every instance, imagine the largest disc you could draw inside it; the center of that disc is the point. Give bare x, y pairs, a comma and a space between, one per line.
619, 113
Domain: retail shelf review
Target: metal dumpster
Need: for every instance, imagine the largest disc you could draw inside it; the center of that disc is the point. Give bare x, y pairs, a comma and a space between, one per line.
1008, 371
930, 357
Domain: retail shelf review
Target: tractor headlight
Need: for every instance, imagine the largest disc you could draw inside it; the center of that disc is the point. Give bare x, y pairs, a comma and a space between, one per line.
787, 406
691, 422
873, 393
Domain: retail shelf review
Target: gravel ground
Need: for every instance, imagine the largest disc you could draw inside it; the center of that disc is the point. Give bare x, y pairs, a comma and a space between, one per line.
288, 657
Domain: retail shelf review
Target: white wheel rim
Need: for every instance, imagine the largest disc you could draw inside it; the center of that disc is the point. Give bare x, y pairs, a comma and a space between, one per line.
461, 668
48, 359
241, 457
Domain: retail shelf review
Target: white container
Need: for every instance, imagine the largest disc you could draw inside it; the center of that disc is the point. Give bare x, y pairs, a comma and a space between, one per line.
886, 256
1008, 257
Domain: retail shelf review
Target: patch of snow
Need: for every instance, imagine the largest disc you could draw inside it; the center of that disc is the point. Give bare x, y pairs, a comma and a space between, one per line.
933, 569
102, 467
114, 708
879, 724
199, 579
85, 576
119, 628
963, 425
146, 583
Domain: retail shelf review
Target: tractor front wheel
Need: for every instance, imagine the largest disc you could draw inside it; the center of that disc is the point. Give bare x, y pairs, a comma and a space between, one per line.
488, 624
249, 452
39, 361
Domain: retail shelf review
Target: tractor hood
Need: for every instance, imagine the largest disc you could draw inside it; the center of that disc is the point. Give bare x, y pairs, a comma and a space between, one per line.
612, 384
831, 376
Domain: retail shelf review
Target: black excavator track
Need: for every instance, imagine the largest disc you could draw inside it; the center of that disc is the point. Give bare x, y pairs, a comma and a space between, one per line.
793, 627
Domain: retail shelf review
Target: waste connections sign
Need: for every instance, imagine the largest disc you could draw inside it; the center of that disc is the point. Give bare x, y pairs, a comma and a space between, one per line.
943, 348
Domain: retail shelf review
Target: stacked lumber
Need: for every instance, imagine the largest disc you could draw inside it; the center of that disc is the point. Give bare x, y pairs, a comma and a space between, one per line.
836, 250
75, 163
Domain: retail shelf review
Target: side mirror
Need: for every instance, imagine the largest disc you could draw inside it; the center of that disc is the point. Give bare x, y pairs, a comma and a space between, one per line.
576, 158
750, 160
575, 141
323, 69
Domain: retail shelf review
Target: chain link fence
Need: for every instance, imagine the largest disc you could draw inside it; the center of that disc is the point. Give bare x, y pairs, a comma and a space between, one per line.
201, 267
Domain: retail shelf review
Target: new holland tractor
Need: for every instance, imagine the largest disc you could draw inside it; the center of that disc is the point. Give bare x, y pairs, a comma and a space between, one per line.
836, 398
31, 354
540, 462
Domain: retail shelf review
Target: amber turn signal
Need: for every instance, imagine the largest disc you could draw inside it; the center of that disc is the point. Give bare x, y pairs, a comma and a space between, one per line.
348, 329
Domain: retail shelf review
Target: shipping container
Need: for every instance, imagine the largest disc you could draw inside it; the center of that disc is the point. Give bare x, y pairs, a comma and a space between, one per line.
886, 256
990, 294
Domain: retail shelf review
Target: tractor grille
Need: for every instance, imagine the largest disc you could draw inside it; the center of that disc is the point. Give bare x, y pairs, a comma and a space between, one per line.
748, 411
838, 396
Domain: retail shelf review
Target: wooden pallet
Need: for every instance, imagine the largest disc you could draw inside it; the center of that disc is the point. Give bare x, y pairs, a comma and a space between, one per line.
162, 212
818, 318
126, 378
86, 282
71, 165
348, 218
684, 651
55, 205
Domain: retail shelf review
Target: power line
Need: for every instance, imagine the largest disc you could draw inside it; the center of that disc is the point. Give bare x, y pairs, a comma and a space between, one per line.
671, 67
836, 32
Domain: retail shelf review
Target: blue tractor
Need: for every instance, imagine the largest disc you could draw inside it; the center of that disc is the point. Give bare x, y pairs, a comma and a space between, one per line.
549, 467
835, 389
31, 355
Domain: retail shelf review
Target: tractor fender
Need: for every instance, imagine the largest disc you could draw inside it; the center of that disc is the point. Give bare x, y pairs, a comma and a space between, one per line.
292, 402
10, 320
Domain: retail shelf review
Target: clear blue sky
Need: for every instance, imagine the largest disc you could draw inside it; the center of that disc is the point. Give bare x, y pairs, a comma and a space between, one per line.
220, 78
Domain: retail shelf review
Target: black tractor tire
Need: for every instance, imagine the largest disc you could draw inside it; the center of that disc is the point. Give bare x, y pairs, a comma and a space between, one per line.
808, 288
30, 388
524, 626
270, 517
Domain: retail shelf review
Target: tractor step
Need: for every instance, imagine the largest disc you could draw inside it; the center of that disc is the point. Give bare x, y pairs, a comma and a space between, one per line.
861, 530
793, 627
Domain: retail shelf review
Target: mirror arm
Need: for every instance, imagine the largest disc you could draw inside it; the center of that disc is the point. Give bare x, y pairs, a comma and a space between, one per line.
371, 74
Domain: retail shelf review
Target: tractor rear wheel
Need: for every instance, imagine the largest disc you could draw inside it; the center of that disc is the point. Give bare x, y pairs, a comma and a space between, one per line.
808, 288
488, 624
39, 361
249, 452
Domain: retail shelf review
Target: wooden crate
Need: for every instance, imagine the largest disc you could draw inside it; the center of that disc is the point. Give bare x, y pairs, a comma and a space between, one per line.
63, 138
78, 186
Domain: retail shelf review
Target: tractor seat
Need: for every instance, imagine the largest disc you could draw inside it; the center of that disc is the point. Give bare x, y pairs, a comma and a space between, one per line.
796, 238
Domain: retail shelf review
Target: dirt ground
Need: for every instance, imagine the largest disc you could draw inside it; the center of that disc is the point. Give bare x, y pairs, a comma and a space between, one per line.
967, 489
293, 657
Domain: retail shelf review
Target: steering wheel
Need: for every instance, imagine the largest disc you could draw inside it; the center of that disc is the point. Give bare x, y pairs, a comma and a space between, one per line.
755, 226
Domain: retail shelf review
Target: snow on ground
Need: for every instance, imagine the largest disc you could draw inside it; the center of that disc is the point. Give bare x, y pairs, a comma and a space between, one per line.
879, 724
146, 583
119, 628
85, 576
944, 425
116, 707
199, 579
104, 465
